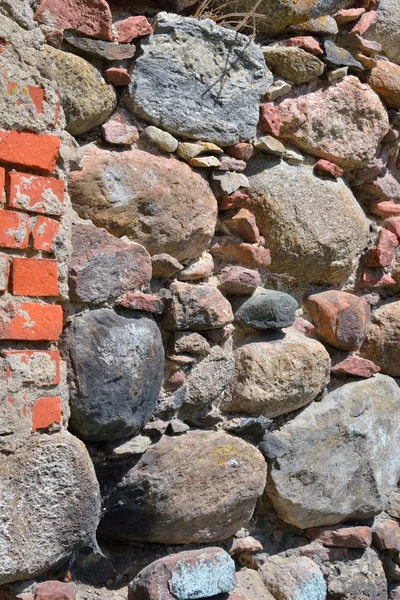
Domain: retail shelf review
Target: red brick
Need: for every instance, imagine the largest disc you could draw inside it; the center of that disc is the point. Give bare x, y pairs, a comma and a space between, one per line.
24, 149
14, 229
270, 121
31, 322
35, 193
4, 272
44, 233
41, 367
2, 182
34, 277
45, 412
36, 94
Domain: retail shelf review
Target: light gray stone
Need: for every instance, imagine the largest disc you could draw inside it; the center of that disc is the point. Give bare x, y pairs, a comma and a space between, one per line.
341, 461
209, 378
293, 578
199, 487
276, 374
181, 83
315, 227
117, 364
361, 576
50, 504
386, 29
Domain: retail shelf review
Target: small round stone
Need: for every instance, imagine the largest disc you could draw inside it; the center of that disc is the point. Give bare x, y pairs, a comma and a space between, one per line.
268, 310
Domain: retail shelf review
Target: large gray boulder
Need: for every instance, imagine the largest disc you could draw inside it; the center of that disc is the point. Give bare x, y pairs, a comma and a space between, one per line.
314, 226
341, 457
386, 29
117, 362
199, 81
276, 374
50, 504
199, 487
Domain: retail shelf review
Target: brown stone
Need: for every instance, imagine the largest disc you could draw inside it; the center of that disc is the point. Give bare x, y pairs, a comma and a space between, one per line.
393, 224
241, 151
376, 278
382, 344
248, 255
165, 266
385, 80
235, 200
356, 366
383, 254
328, 168
345, 537
139, 301
244, 223
239, 281
117, 76
341, 319
54, 590
386, 534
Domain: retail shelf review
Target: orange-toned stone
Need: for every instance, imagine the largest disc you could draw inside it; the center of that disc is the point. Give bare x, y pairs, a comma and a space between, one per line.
14, 229
306, 42
393, 224
235, 200
340, 319
364, 23
44, 232
35, 193
4, 271
356, 366
244, 223
30, 321
41, 367
248, 255
383, 254
117, 76
386, 208
328, 168
270, 121
132, 28
387, 535
344, 537
2, 182
45, 412
34, 277
36, 94
31, 150
348, 15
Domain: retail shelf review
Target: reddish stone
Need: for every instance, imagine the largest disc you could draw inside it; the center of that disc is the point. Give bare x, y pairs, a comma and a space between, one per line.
228, 163
41, 367
246, 544
306, 42
35, 193
34, 277
174, 381
55, 38
235, 200
239, 281
364, 23
324, 554
90, 17
347, 15
31, 150
244, 224
385, 208
2, 182
132, 28
4, 272
340, 319
44, 232
377, 278
120, 129
248, 255
387, 535
344, 537
54, 590
45, 412
145, 302
393, 224
241, 151
270, 121
117, 76
383, 254
329, 168
305, 327
356, 366
31, 322
14, 229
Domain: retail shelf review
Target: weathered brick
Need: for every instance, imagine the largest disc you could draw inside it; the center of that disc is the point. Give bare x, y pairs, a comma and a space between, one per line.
45, 412
30, 322
4, 272
41, 367
35, 193
36, 94
24, 149
2, 182
34, 277
44, 232
14, 229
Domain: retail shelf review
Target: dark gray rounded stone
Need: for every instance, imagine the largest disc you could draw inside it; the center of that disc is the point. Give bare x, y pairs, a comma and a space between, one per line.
118, 364
268, 310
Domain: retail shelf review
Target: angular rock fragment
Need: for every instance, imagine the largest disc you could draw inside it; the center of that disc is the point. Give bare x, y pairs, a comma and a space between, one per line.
357, 577
293, 578
382, 344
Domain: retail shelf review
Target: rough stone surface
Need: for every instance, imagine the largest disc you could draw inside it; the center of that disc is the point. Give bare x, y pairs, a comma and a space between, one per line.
239, 280
341, 460
182, 86
50, 481
104, 267
385, 80
86, 98
100, 49
117, 363
349, 108
197, 307
54, 590
386, 29
163, 140
276, 374
89, 17
344, 537
249, 586
268, 310
315, 228
192, 574
120, 129
294, 64
359, 577
356, 366
199, 487
340, 319
293, 578
156, 201
382, 344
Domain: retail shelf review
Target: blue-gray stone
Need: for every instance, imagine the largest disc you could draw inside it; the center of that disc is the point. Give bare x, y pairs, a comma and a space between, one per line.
340, 57
268, 310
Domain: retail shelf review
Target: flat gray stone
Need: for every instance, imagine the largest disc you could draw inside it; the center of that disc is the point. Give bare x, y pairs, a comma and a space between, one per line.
268, 310
199, 81
340, 57
100, 49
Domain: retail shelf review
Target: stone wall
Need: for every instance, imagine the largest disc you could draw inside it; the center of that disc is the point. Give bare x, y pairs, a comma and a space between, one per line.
199, 309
